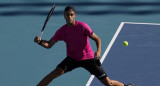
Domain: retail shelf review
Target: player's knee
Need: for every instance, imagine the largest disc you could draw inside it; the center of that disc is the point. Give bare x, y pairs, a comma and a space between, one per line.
58, 71
110, 83
106, 81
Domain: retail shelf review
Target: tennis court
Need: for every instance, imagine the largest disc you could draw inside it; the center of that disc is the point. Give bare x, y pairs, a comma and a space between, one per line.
24, 63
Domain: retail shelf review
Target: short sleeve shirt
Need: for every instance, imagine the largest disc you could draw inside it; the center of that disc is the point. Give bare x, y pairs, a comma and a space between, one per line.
76, 39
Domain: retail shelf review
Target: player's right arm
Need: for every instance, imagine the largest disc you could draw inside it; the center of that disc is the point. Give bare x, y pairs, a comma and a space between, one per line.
44, 43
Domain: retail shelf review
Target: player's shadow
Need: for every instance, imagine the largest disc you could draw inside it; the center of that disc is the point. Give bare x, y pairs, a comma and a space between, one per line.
108, 8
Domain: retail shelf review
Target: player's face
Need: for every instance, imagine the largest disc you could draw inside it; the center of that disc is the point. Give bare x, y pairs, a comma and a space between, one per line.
70, 17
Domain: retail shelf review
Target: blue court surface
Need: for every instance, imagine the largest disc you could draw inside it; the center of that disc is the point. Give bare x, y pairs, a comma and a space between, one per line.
24, 63
137, 63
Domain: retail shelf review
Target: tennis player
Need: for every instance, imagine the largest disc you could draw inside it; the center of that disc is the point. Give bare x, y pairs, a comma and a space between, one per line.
76, 35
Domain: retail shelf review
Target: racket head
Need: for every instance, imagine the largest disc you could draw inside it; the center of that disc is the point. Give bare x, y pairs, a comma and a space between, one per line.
48, 17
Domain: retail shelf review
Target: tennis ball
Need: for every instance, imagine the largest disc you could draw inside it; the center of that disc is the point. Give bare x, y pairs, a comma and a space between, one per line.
125, 43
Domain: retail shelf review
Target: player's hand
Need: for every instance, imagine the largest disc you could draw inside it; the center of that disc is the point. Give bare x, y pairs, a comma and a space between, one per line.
97, 54
37, 39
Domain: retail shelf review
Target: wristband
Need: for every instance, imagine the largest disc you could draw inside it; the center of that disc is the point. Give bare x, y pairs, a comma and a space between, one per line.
40, 42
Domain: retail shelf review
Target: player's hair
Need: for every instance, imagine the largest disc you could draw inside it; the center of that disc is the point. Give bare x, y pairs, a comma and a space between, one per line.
69, 8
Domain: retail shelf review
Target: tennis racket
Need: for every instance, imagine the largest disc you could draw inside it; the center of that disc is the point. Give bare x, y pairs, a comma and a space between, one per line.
48, 17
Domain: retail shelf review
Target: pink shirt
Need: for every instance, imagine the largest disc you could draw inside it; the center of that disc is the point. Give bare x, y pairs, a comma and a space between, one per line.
76, 39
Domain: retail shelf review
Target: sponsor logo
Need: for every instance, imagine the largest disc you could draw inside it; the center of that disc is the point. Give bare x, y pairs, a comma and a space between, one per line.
102, 75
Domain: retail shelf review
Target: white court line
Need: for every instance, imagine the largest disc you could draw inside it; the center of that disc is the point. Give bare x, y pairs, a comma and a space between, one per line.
111, 43
141, 23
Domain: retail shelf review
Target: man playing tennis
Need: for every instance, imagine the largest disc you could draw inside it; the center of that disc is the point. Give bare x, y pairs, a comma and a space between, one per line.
79, 52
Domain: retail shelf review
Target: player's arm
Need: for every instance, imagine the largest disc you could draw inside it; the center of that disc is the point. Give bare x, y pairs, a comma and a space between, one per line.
44, 43
98, 44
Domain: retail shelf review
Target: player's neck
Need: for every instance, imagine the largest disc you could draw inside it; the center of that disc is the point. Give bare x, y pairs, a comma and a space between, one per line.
71, 24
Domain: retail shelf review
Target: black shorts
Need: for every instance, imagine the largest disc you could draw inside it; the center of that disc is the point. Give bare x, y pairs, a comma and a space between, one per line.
92, 65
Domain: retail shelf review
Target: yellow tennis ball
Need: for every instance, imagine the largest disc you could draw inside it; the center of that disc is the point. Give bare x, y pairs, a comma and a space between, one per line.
125, 43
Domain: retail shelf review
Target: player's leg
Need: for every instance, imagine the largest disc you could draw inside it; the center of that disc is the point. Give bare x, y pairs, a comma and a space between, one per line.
65, 66
108, 82
95, 68
54, 74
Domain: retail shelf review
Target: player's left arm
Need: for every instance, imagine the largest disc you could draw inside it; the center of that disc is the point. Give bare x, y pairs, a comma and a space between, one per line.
98, 44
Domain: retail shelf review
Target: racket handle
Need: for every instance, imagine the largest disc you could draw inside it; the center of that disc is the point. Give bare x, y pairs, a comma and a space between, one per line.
40, 34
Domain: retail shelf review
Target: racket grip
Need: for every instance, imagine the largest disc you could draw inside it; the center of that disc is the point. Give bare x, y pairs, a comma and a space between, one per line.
40, 34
